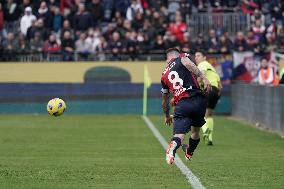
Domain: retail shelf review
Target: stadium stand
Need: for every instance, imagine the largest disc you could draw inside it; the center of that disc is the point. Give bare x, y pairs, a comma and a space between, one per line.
69, 30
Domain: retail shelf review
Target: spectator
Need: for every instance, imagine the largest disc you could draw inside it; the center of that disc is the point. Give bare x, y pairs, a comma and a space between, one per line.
225, 45
266, 73
101, 49
231, 3
240, 44
251, 41
272, 29
109, 31
133, 9
276, 11
149, 30
228, 40
131, 44
280, 41
23, 46
171, 41
258, 29
259, 46
83, 47
53, 3
32, 30
138, 21
115, 46
121, 6
126, 27
217, 4
36, 43
96, 40
213, 42
157, 21
57, 20
2, 30
117, 16
185, 8
26, 20
270, 43
82, 20
66, 27
97, 11
45, 14
67, 46
12, 15
201, 5
11, 47
44, 32
200, 44
2, 57
186, 46
159, 44
25, 4
155, 24
257, 15
141, 41
51, 45
173, 7
178, 28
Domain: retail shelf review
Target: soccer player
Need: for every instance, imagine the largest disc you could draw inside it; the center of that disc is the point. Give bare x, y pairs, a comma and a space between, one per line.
181, 78
209, 71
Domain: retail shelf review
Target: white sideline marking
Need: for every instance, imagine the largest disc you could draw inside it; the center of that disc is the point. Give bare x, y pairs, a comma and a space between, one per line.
192, 179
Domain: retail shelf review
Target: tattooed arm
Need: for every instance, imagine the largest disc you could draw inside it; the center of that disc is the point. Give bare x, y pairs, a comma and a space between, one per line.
199, 75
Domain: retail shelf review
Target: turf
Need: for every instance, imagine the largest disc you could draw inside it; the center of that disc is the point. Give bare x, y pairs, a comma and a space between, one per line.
82, 152
121, 152
242, 156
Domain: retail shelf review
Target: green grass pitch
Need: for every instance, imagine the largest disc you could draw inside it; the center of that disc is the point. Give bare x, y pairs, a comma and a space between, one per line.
121, 152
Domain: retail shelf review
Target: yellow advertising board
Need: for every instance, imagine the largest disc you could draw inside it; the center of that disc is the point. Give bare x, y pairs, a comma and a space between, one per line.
61, 72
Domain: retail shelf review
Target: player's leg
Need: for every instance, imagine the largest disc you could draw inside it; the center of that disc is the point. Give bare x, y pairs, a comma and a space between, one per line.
205, 131
181, 126
193, 142
174, 144
210, 125
198, 107
208, 128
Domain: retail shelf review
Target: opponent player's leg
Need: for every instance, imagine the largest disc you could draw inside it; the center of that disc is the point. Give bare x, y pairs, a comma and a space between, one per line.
174, 144
210, 126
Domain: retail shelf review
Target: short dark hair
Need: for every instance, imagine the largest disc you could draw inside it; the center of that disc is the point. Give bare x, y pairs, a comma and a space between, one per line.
201, 52
173, 49
263, 58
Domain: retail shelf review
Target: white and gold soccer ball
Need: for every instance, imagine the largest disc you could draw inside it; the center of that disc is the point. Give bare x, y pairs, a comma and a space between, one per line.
56, 107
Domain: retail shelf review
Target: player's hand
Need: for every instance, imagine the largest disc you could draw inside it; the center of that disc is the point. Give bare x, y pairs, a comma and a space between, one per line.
168, 120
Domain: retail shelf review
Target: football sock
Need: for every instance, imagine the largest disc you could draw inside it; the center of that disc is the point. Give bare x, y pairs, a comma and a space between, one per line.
210, 125
193, 144
178, 141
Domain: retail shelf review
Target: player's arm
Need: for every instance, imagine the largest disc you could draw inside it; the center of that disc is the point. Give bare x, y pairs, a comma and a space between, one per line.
165, 104
194, 69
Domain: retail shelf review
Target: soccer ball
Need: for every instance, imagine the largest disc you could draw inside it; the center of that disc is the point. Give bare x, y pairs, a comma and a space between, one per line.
56, 107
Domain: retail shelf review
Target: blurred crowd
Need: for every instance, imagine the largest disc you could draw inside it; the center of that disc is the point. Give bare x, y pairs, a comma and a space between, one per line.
132, 27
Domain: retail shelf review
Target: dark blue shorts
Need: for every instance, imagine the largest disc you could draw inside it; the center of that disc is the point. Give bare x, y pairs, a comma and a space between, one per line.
189, 112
